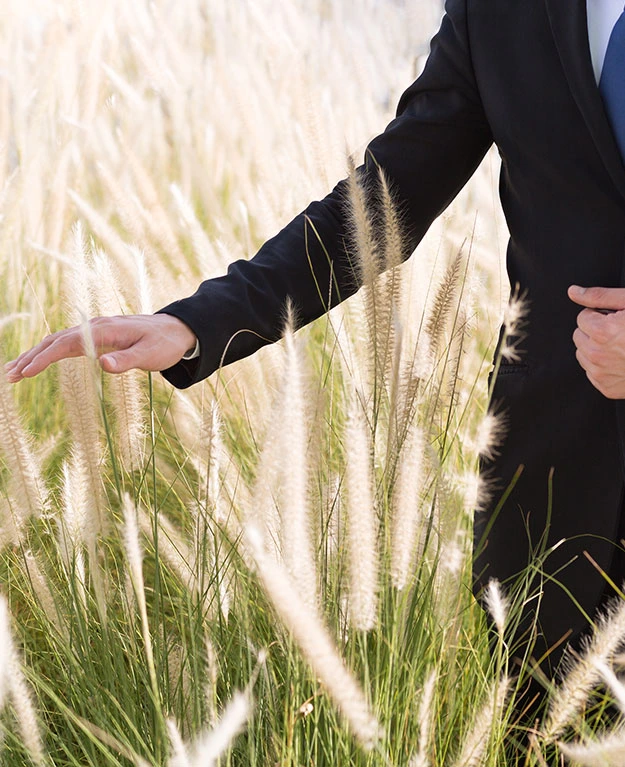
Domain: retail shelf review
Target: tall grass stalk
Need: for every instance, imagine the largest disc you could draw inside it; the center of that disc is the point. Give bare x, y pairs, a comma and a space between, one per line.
144, 146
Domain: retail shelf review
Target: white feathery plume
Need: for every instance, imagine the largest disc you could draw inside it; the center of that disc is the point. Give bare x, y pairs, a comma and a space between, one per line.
263, 507
14, 686
488, 718
71, 524
114, 243
80, 388
210, 692
362, 523
408, 518
513, 320
41, 591
9, 522
426, 716
179, 756
142, 282
202, 247
126, 390
209, 747
25, 482
497, 604
25, 713
613, 682
315, 643
609, 751
294, 513
582, 675
132, 546
490, 435
134, 557
127, 396
6, 650
474, 490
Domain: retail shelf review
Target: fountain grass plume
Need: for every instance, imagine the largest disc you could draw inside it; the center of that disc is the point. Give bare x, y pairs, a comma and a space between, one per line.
408, 516
427, 712
581, 674
485, 726
608, 751
297, 552
362, 522
14, 688
25, 482
315, 643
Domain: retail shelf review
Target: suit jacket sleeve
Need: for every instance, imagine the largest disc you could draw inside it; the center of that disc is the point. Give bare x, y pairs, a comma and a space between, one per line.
428, 152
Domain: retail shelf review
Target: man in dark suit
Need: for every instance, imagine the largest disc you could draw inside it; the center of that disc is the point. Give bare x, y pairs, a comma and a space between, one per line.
522, 74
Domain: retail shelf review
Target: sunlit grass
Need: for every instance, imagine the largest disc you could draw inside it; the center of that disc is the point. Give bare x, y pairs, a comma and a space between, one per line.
293, 537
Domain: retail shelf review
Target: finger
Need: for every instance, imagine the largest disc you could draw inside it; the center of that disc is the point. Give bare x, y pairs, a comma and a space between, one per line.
64, 347
140, 355
26, 357
121, 362
580, 339
598, 298
584, 362
599, 328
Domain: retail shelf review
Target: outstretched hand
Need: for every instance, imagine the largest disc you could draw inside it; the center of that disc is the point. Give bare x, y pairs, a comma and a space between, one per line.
145, 341
600, 337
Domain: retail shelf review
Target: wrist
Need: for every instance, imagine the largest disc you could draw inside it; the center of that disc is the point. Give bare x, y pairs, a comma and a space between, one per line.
186, 340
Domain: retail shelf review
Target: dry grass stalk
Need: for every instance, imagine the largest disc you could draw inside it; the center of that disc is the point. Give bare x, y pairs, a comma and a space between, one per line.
209, 747
210, 693
513, 322
444, 303
20, 694
315, 643
134, 558
497, 604
297, 550
156, 219
582, 674
126, 390
178, 756
616, 686
6, 650
362, 523
41, 592
408, 516
205, 254
427, 713
488, 719
25, 482
80, 390
490, 435
609, 751
365, 247
80, 395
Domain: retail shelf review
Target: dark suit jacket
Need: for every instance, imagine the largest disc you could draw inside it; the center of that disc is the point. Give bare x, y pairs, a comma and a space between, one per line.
517, 73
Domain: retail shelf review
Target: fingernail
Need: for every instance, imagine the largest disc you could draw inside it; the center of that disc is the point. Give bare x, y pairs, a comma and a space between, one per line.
111, 362
579, 289
10, 365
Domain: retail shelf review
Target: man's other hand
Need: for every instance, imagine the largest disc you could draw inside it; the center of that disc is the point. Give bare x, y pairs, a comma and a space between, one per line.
600, 337
145, 341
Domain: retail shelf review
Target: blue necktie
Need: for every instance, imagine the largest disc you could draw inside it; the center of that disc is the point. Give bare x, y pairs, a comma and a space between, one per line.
612, 83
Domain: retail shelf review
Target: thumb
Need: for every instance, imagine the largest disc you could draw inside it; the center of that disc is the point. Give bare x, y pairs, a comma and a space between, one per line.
598, 298
117, 363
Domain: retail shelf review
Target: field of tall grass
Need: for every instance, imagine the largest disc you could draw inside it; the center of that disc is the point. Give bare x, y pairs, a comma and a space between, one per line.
273, 567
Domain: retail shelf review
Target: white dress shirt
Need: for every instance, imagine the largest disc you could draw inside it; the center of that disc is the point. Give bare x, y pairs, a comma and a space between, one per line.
602, 16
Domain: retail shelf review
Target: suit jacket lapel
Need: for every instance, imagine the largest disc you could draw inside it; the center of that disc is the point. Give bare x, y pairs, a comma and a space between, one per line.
569, 26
